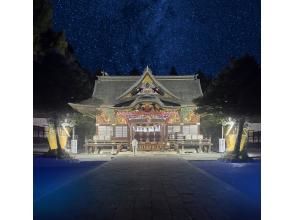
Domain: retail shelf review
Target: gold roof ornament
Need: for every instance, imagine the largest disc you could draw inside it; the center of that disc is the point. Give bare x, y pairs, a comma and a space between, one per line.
147, 78
147, 69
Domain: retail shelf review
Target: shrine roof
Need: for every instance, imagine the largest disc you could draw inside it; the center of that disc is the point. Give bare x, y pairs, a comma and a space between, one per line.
109, 90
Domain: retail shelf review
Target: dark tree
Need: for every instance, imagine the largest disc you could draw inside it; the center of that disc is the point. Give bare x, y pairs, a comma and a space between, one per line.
173, 71
98, 73
42, 21
205, 80
211, 127
236, 93
58, 77
135, 72
84, 127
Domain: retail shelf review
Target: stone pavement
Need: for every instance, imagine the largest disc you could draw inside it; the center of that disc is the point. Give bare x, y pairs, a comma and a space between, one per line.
107, 157
151, 187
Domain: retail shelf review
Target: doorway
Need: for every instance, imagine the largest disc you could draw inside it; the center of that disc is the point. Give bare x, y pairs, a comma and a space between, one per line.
149, 135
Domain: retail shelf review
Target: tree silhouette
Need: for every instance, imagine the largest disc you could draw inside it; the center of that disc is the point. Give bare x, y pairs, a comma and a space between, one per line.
235, 92
135, 72
58, 76
173, 71
205, 79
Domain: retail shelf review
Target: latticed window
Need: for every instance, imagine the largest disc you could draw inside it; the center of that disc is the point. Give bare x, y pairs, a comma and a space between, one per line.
190, 130
173, 129
254, 136
105, 132
121, 131
39, 132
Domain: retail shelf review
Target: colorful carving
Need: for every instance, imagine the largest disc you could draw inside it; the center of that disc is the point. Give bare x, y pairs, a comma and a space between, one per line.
147, 112
174, 118
120, 119
168, 116
147, 107
147, 79
191, 117
188, 115
105, 116
146, 86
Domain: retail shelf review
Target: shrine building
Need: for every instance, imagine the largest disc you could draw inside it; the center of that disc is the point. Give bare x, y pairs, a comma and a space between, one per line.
156, 110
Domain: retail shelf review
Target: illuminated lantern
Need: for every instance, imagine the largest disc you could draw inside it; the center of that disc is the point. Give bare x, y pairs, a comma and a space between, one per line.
51, 136
63, 134
231, 140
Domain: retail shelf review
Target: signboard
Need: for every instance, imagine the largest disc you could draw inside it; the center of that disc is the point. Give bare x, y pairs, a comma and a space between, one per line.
148, 116
74, 146
222, 145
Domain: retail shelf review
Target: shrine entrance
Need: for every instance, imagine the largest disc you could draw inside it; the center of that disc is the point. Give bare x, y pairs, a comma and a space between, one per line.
150, 136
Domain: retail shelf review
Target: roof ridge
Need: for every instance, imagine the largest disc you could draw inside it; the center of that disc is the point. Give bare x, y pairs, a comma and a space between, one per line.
147, 72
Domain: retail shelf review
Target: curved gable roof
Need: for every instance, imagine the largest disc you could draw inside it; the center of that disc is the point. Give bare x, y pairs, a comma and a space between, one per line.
108, 89
147, 74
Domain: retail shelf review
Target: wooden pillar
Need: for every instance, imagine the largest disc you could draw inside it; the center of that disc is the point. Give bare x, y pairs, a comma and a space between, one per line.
130, 135
97, 129
154, 140
73, 133
164, 134
113, 131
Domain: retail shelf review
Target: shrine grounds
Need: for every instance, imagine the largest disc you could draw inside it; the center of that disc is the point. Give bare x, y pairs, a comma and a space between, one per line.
146, 187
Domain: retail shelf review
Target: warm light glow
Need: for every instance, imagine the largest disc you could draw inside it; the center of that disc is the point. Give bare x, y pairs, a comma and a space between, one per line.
66, 131
231, 140
51, 136
231, 123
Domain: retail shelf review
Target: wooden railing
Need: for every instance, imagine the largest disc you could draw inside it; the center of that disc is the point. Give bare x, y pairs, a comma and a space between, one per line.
198, 145
180, 145
97, 146
149, 146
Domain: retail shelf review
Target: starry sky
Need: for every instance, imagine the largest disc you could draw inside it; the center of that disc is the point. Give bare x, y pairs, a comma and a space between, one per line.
119, 35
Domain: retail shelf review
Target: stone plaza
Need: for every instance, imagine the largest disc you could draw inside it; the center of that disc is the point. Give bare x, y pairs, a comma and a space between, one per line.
146, 187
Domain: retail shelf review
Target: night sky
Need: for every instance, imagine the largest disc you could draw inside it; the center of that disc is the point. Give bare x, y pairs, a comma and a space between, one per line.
118, 35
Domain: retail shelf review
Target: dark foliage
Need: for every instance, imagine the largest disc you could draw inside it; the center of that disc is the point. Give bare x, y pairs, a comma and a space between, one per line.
135, 72
235, 92
58, 81
58, 77
205, 80
211, 128
173, 71
85, 128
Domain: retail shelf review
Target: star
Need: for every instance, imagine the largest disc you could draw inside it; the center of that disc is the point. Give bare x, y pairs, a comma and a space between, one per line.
119, 36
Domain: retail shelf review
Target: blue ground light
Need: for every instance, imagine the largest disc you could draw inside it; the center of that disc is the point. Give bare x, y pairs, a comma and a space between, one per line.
245, 177
50, 174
